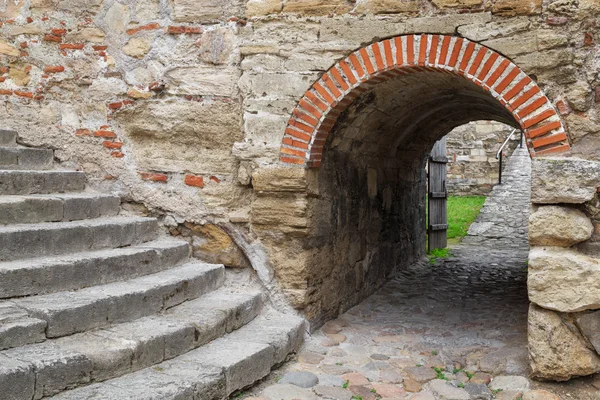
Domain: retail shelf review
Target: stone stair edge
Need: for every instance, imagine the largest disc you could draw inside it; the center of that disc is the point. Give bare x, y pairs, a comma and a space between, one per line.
124, 348
213, 371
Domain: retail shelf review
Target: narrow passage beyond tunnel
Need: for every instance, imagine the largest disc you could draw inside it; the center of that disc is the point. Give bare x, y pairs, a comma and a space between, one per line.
456, 329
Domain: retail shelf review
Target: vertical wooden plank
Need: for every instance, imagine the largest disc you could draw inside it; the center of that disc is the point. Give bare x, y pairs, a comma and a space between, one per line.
437, 198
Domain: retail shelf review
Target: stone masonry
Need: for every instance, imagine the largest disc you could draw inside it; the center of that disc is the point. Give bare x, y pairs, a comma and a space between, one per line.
94, 299
291, 135
472, 164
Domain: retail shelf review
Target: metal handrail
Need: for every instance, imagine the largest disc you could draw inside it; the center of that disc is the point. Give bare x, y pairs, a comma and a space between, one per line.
499, 154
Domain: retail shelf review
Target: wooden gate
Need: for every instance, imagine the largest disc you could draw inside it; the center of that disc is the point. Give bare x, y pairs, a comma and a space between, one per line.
437, 197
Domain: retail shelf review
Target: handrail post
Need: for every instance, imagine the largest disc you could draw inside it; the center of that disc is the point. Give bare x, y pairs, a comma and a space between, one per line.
521, 140
500, 172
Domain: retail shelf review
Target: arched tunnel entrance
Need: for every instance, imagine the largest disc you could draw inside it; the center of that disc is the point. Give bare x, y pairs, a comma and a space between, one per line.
364, 131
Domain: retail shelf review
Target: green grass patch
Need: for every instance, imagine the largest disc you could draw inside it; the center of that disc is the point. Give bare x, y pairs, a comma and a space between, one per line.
462, 211
434, 254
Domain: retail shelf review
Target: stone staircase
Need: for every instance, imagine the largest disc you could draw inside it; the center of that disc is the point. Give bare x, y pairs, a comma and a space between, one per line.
96, 305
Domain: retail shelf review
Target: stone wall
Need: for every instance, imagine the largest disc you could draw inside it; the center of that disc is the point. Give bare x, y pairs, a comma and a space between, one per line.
181, 107
564, 268
472, 164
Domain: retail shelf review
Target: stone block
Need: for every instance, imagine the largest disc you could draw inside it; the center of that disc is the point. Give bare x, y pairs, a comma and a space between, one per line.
564, 180
279, 179
137, 47
168, 135
558, 226
580, 126
457, 3
40, 182
556, 350
285, 211
563, 280
510, 8
203, 80
17, 379
56, 369
257, 8
388, 6
589, 325
202, 11
317, 7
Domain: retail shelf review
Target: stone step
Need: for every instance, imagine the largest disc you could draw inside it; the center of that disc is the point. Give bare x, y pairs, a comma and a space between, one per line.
66, 313
213, 371
80, 270
70, 312
54, 238
56, 207
8, 138
40, 182
121, 349
17, 158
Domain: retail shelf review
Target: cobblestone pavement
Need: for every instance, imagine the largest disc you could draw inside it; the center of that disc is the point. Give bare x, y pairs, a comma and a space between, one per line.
456, 329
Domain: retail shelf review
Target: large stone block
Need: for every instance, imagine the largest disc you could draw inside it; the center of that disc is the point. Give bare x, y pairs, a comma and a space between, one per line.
256, 8
280, 211
581, 126
317, 7
457, 3
279, 179
510, 8
170, 135
564, 180
527, 43
389, 6
558, 226
563, 280
557, 351
203, 80
198, 11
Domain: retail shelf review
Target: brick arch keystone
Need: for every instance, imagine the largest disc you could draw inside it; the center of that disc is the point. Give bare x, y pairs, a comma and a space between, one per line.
317, 112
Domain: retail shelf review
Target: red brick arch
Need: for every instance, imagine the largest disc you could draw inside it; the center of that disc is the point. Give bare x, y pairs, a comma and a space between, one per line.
318, 110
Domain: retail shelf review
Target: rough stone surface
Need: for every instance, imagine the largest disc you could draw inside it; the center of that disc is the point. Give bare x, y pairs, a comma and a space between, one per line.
558, 226
510, 383
302, 379
564, 180
556, 349
563, 280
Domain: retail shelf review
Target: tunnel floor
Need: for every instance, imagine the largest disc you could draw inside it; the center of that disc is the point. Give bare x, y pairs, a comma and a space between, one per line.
462, 319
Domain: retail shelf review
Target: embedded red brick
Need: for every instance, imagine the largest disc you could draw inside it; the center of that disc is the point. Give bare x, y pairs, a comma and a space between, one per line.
100, 48
105, 134
52, 38
154, 177
177, 30
59, 32
5, 92
117, 154
115, 106
83, 132
194, 180
113, 145
72, 46
147, 27
53, 69
20, 93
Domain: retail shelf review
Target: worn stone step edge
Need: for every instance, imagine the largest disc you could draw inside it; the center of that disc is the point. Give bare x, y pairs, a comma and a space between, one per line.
47, 368
80, 270
66, 313
213, 371
38, 208
8, 138
40, 182
54, 238
20, 158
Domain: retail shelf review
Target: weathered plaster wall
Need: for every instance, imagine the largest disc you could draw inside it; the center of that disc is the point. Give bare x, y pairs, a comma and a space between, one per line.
472, 164
181, 106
